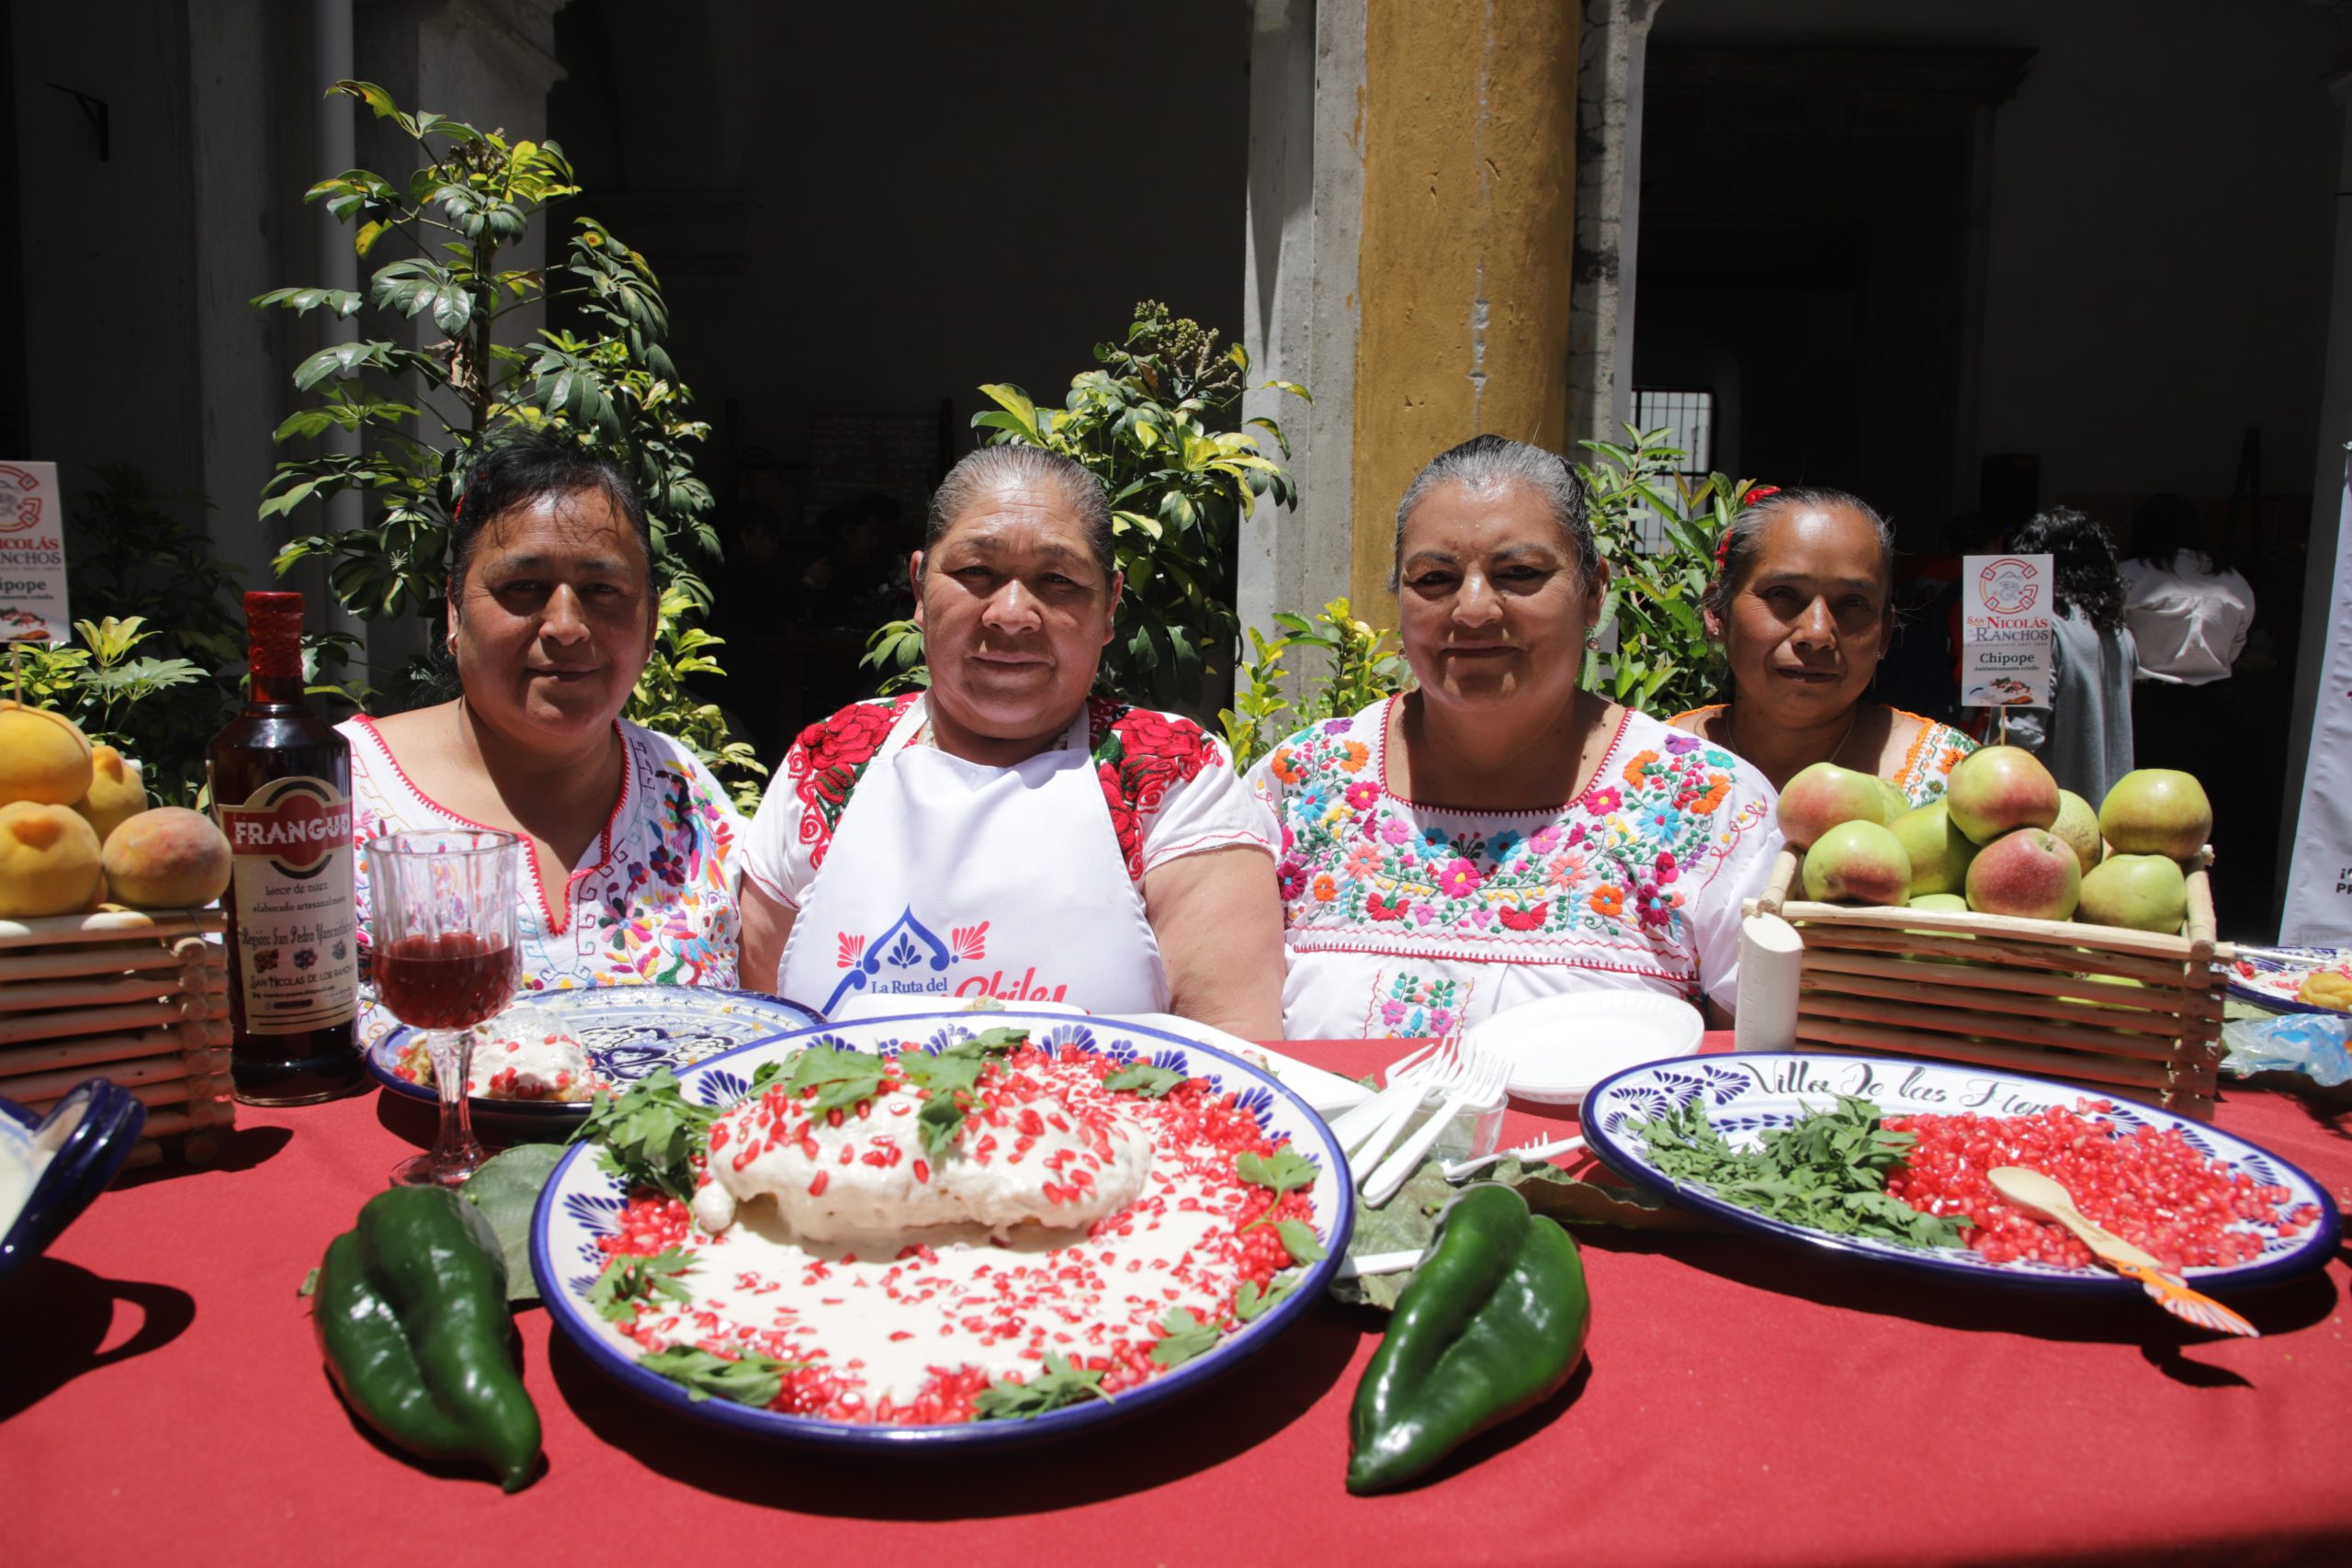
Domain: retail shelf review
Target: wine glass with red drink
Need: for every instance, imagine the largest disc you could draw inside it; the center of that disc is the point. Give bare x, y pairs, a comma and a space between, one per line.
441, 955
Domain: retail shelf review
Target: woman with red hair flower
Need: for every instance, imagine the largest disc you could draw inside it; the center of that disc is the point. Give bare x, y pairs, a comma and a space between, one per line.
1803, 605
1005, 835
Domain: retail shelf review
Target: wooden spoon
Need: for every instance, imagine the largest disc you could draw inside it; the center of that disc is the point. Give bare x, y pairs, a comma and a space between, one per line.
2039, 1195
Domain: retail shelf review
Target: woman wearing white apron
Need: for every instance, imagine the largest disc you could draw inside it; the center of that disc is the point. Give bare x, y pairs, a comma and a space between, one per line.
1005, 835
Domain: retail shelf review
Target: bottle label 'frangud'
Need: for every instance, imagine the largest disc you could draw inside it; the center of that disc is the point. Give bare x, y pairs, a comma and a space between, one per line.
298, 957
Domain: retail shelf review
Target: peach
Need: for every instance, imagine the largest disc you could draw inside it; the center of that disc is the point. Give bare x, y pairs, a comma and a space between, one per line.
1940, 853
167, 858
1858, 861
2157, 811
49, 860
1824, 795
1943, 902
2030, 872
43, 756
1998, 789
117, 793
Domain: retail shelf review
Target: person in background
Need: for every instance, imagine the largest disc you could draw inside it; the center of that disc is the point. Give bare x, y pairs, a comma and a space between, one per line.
1004, 834
1499, 835
2083, 736
630, 843
1803, 606
2189, 616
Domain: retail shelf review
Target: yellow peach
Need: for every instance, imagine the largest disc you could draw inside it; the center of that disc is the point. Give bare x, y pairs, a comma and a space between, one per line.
43, 756
116, 791
49, 860
169, 857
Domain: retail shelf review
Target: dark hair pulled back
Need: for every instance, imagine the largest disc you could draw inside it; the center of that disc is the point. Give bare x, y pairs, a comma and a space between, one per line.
518, 466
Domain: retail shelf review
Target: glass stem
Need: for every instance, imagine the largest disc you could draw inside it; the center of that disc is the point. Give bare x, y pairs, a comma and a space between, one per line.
454, 1148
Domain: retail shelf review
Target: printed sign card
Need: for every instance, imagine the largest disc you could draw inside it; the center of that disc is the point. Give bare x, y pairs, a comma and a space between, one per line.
2006, 631
32, 553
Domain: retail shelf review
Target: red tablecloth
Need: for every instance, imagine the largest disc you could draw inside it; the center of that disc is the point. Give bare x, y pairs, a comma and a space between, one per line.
1740, 1404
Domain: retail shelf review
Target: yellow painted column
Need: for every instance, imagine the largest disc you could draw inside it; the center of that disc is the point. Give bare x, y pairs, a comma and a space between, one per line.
1467, 131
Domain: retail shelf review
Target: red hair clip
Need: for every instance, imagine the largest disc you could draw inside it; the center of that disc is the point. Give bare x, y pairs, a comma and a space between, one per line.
1755, 494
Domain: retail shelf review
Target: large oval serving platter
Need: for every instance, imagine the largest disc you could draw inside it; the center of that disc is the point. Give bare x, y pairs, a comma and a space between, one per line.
1749, 1092
582, 1202
630, 1030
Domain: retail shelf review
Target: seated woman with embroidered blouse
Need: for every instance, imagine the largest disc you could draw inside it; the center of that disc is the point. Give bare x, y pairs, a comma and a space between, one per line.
630, 840
1803, 605
1498, 834
1004, 834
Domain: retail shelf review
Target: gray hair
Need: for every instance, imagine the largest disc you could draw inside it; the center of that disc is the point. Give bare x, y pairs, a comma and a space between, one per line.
1493, 462
989, 469
1743, 541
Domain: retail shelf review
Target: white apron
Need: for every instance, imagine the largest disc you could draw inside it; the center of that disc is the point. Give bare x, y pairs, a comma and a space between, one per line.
948, 880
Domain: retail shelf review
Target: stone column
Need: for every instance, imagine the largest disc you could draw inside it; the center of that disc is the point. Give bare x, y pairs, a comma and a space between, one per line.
1609, 194
1411, 229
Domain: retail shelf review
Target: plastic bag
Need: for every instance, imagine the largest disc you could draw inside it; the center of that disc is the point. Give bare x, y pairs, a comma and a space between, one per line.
2311, 1044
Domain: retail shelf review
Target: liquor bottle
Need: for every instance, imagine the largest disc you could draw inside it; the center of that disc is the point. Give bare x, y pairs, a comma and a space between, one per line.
281, 791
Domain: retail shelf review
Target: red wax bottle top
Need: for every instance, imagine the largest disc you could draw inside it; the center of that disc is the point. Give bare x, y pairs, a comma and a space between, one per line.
274, 634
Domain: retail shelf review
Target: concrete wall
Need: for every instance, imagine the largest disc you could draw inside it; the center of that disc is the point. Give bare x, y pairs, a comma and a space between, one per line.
2157, 267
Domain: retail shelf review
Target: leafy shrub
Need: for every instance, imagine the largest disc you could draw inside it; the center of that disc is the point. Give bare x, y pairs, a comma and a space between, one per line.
1364, 666
1152, 426
611, 387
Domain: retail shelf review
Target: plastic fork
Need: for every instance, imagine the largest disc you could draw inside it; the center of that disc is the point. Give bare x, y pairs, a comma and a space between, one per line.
1528, 1153
1481, 1082
1441, 1080
1408, 1073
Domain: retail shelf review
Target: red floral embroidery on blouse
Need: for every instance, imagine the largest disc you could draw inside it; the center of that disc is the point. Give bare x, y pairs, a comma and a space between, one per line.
827, 760
1138, 756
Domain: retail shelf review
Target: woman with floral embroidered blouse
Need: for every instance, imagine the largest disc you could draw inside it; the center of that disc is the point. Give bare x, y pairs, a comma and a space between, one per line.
1501, 835
1005, 834
1803, 605
631, 841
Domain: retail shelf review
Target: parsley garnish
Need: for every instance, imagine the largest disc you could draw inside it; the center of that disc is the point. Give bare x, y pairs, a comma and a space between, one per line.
1299, 1237
1143, 1078
1250, 1303
650, 1132
1185, 1336
1060, 1383
950, 1082
747, 1379
841, 1077
630, 1283
1825, 1171
1285, 1171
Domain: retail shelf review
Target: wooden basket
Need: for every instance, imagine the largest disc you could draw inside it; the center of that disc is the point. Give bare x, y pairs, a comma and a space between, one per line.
2037, 996
139, 998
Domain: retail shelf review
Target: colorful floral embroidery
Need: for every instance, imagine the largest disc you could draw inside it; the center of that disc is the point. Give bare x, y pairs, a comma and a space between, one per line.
1606, 872
825, 762
1415, 1005
1139, 755
657, 910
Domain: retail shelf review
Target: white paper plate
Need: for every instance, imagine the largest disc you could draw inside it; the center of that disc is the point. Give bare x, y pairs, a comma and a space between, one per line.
1561, 1046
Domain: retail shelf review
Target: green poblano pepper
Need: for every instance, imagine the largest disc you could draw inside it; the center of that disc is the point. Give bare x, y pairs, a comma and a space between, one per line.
412, 1318
1492, 1325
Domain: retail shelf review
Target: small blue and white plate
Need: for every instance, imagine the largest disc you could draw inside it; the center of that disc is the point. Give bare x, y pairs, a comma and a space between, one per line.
582, 1202
2269, 976
1749, 1092
52, 1167
630, 1030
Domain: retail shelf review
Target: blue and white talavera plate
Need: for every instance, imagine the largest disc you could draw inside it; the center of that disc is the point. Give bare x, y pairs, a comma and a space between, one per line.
52, 1167
1751, 1091
2269, 976
630, 1030
582, 1202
